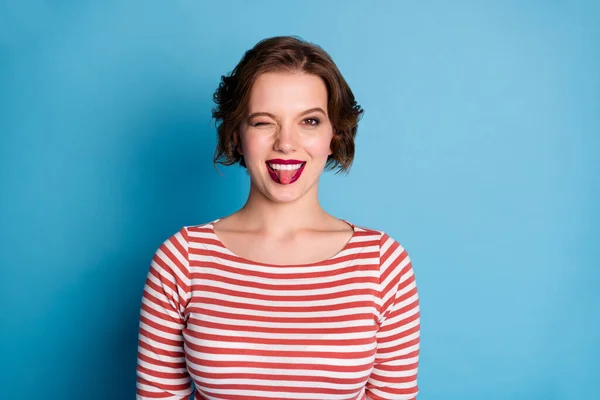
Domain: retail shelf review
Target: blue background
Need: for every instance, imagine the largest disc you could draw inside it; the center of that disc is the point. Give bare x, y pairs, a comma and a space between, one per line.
478, 151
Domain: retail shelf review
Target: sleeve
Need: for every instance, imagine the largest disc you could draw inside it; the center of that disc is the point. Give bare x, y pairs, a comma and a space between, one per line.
394, 375
161, 368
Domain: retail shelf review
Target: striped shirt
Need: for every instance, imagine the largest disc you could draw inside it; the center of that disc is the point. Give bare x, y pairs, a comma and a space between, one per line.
346, 328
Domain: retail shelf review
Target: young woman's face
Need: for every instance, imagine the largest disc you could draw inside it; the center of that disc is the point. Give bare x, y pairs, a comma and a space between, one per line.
286, 135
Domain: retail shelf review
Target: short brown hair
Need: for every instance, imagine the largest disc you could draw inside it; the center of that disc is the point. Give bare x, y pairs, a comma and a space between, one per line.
288, 54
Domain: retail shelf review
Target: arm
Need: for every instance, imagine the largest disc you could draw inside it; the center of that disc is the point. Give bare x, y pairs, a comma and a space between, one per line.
161, 369
394, 376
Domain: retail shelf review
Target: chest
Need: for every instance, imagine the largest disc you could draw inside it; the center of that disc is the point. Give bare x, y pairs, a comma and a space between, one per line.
257, 329
305, 249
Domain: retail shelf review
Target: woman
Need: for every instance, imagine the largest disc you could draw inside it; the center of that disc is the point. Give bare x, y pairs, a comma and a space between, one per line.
281, 300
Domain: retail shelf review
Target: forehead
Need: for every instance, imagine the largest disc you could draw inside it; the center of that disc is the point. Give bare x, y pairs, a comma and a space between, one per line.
280, 92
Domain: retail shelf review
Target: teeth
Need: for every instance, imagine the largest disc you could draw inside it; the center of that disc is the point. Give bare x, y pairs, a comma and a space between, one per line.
288, 167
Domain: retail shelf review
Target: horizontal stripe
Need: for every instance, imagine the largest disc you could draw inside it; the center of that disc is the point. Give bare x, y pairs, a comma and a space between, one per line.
345, 328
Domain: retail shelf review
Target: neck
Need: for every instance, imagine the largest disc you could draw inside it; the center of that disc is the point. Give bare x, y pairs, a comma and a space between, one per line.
263, 214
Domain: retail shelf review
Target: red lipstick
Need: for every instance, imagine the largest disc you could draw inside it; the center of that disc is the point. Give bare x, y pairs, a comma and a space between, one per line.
285, 177
285, 162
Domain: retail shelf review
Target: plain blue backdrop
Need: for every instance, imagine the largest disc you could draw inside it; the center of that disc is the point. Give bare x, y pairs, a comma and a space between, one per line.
478, 151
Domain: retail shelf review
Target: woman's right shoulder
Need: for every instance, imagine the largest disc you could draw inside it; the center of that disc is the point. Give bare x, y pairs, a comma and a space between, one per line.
206, 226
191, 233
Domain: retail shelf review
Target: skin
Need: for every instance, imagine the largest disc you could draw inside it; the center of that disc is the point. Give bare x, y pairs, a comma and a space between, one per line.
285, 224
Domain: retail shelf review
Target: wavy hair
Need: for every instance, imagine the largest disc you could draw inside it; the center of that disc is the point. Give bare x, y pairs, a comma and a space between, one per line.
285, 54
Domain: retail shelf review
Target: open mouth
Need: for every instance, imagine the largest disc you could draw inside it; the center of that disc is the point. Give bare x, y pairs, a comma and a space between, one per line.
285, 174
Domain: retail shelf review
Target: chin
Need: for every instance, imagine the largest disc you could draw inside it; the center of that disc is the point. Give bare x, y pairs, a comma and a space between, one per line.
285, 195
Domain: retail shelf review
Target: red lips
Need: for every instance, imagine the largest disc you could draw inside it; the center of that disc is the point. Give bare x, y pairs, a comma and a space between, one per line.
285, 177
284, 162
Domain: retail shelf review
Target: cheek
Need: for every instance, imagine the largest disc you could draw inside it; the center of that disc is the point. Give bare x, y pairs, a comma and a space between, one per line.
319, 146
254, 146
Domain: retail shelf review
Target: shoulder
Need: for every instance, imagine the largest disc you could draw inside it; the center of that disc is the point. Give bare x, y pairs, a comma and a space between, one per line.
393, 256
198, 232
199, 228
175, 249
384, 240
396, 274
186, 235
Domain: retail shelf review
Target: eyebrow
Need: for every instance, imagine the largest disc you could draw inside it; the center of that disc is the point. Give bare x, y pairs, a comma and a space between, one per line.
310, 110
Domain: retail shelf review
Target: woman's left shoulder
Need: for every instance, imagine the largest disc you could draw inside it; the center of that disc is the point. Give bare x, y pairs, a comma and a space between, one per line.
383, 237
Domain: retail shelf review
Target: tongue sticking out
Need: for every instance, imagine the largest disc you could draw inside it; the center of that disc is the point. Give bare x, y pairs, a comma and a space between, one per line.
285, 176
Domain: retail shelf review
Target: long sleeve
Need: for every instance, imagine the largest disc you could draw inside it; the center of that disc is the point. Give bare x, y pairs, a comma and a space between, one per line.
394, 376
161, 368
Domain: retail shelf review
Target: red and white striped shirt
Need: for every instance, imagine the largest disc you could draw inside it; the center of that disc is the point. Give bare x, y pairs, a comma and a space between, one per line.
346, 328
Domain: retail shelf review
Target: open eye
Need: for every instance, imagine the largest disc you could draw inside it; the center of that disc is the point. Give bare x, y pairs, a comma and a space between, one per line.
311, 121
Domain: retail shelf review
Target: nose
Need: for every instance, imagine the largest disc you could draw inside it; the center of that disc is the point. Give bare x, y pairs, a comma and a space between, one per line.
285, 140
